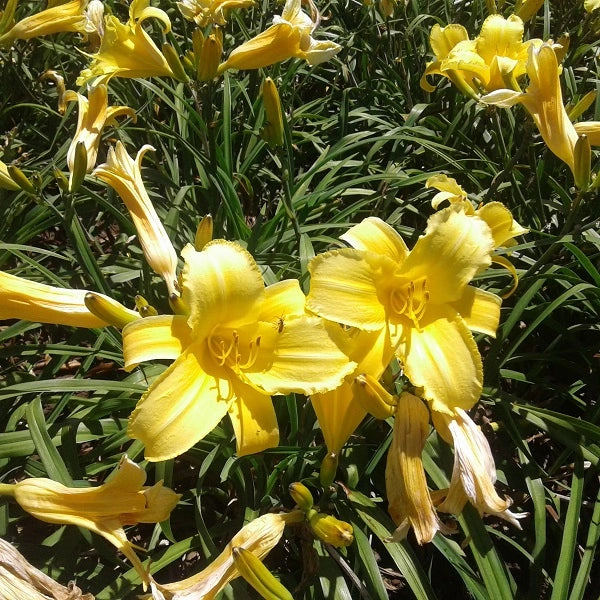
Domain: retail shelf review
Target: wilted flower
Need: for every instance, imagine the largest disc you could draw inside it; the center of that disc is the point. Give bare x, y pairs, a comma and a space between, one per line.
209, 12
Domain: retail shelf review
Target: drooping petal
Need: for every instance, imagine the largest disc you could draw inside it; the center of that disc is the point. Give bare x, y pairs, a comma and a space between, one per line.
182, 406
444, 39
253, 419
319, 51
500, 220
443, 359
155, 338
454, 248
222, 285
479, 309
374, 235
304, 357
345, 287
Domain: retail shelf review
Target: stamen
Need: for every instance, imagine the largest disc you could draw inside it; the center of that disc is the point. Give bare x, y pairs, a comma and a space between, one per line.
405, 302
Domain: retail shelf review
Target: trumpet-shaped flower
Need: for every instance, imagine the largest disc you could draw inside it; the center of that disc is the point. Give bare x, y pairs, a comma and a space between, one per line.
474, 472
70, 16
289, 36
210, 12
127, 50
259, 537
123, 500
6, 181
422, 298
238, 344
543, 101
123, 174
493, 60
37, 302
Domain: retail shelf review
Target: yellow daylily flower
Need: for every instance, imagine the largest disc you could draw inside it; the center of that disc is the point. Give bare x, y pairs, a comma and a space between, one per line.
591, 5
94, 113
543, 101
493, 60
67, 17
20, 580
37, 302
474, 472
238, 343
105, 510
6, 181
421, 297
209, 12
289, 36
259, 537
124, 175
127, 50
527, 9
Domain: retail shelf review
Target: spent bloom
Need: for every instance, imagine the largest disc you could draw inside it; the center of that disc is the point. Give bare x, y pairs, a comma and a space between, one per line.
210, 12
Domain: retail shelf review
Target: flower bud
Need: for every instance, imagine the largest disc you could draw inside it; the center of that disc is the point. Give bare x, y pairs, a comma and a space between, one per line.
331, 530
301, 495
258, 576
204, 233
272, 131
21, 180
80, 167
6, 181
61, 180
328, 469
582, 162
109, 310
207, 62
373, 397
174, 62
142, 306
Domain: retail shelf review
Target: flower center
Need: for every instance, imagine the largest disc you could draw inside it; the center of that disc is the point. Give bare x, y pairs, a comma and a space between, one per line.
410, 301
227, 350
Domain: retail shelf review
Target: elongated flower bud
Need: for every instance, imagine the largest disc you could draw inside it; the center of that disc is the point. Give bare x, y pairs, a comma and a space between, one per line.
373, 397
174, 62
331, 530
258, 576
80, 165
328, 469
208, 60
301, 495
272, 131
21, 179
109, 310
6, 181
204, 233
582, 162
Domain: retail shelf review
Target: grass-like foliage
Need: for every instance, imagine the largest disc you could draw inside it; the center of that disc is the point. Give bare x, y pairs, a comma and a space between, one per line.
360, 136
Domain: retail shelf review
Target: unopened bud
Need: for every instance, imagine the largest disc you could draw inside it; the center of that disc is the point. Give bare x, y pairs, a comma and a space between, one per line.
331, 530
258, 576
6, 181
80, 167
204, 233
272, 131
61, 180
21, 180
386, 8
328, 469
373, 397
582, 105
207, 61
301, 495
7, 16
174, 62
143, 308
109, 310
582, 162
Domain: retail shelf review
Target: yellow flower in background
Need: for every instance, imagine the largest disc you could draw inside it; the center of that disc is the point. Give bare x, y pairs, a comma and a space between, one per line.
238, 344
259, 537
37, 302
289, 36
543, 101
127, 50
210, 12
422, 298
527, 9
474, 472
591, 5
124, 175
67, 17
105, 510
493, 60
6, 181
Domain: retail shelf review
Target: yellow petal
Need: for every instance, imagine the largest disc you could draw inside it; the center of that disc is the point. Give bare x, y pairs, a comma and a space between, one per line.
339, 414
591, 5
36, 302
155, 338
479, 309
222, 284
454, 248
500, 37
444, 39
319, 51
443, 359
182, 406
253, 419
345, 284
282, 299
528, 9
500, 220
448, 190
6, 181
377, 236
303, 357
591, 129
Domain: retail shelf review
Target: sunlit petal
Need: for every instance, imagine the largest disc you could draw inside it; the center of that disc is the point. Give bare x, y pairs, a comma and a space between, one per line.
377, 236
479, 309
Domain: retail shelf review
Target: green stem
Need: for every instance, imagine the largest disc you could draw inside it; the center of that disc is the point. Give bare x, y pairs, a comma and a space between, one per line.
7, 489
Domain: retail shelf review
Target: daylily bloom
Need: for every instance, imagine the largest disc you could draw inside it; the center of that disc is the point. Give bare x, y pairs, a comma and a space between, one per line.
474, 472
94, 113
289, 36
127, 50
591, 5
526, 9
66, 17
123, 500
258, 537
543, 101
238, 343
493, 60
209, 12
37, 302
124, 175
422, 298
6, 181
